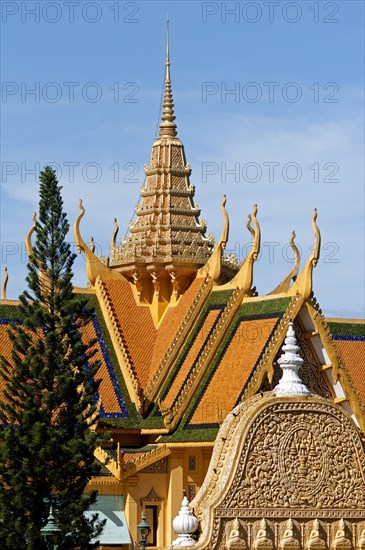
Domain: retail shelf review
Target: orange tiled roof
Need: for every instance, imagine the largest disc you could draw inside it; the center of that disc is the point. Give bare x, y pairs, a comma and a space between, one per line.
6, 347
233, 370
170, 323
146, 344
107, 392
352, 353
201, 338
349, 338
136, 326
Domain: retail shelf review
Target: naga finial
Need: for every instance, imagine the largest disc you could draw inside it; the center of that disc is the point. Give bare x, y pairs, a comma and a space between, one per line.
248, 225
244, 278
213, 267
292, 275
94, 267
225, 232
113, 241
317, 238
5, 282
28, 238
303, 283
255, 232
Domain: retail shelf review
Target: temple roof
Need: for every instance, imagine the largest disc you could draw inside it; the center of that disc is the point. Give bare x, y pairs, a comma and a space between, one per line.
187, 374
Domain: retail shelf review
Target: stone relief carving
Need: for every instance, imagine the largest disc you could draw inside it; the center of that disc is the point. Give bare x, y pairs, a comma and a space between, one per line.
341, 539
286, 474
316, 539
290, 536
361, 541
295, 458
235, 535
263, 538
157, 467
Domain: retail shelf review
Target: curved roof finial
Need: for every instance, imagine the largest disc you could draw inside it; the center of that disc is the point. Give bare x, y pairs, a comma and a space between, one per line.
244, 278
28, 238
213, 267
168, 126
94, 267
303, 284
5, 282
115, 233
317, 239
292, 275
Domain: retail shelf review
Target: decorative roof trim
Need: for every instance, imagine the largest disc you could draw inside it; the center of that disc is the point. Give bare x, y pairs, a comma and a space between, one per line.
145, 460
292, 275
122, 471
304, 283
151, 497
129, 374
213, 267
244, 278
94, 267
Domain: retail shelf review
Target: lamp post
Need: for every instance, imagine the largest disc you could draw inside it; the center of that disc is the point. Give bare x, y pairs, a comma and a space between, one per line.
145, 530
51, 532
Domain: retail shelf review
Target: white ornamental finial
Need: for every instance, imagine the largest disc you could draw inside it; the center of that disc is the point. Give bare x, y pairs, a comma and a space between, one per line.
185, 524
290, 363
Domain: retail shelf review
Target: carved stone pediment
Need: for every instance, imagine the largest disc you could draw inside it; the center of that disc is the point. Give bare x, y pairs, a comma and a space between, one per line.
290, 471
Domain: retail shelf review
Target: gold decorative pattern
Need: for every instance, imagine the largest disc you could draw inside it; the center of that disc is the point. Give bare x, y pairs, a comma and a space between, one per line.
159, 467
152, 496
311, 463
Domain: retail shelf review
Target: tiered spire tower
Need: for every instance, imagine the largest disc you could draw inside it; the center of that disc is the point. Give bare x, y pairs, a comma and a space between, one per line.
167, 240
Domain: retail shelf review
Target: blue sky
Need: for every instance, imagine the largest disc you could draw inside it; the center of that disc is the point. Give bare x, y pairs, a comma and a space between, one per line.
269, 105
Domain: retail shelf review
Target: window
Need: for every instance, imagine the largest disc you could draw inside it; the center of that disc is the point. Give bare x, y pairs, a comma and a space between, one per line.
192, 463
151, 518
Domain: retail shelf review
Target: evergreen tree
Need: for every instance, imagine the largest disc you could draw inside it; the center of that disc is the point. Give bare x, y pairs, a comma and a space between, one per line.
48, 405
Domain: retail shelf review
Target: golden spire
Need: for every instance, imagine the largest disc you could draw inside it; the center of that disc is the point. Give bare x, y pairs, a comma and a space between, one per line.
168, 126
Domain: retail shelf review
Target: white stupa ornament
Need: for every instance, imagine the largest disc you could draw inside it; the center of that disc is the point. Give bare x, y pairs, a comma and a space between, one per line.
185, 524
290, 363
